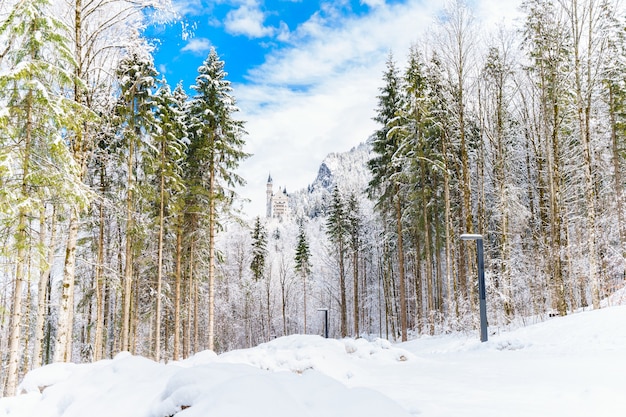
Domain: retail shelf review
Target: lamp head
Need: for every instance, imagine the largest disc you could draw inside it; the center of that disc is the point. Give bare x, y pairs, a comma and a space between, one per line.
467, 236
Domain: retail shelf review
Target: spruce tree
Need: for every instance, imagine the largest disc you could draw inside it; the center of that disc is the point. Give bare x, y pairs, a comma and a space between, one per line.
259, 250
170, 142
135, 112
337, 227
303, 264
386, 168
215, 151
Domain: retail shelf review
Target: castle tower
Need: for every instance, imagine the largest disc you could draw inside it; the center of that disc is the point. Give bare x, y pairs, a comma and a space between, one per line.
269, 193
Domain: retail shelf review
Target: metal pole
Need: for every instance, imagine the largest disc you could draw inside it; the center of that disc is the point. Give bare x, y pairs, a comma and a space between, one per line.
482, 299
481, 290
326, 323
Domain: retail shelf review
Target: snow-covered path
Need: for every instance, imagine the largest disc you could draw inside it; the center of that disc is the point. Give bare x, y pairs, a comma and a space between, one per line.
570, 366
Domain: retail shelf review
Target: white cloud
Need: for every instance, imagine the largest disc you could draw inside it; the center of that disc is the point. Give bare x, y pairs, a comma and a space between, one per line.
198, 46
247, 20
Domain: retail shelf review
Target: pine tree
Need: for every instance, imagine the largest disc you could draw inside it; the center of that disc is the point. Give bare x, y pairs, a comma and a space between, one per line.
386, 167
135, 110
355, 232
215, 151
259, 249
303, 265
170, 139
337, 230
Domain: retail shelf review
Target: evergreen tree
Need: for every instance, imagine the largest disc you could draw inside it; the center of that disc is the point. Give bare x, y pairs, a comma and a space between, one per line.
303, 265
135, 110
215, 151
259, 249
337, 227
386, 167
170, 139
355, 232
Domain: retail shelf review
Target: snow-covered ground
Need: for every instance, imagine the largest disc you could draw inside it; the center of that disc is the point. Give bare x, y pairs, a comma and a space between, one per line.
567, 366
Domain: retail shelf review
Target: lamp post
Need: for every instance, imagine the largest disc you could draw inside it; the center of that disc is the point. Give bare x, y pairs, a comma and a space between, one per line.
481, 283
325, 310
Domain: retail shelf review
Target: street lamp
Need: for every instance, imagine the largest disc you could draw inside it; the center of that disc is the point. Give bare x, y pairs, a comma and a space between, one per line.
325, 310
481, 283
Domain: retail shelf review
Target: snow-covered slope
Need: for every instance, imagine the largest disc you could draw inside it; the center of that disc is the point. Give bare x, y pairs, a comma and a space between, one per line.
347, 170
568, 366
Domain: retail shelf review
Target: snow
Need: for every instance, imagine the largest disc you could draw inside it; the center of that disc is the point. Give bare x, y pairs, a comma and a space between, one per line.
567, 366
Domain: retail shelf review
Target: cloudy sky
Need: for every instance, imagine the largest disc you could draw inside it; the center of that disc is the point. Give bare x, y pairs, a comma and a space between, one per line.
305, 73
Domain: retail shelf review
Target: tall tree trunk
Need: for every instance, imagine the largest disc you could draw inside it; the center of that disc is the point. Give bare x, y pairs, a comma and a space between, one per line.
617, 172
355, 270
343, 313
401, 277
556, 215
212, 220
427, 254
177, 287
159, 283
451, 286
44, 278
99, 284
128, 253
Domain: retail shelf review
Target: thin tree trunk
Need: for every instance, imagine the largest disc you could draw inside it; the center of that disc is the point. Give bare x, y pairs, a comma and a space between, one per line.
177, 286
128, 252
343, 313
212, 196
99, 284
617, 174
44, 278
427, 253
159, 283
451, 287
355, 269
402, 284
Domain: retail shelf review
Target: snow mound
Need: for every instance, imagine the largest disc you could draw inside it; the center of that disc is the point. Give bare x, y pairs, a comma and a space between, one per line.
291, 376
339, 359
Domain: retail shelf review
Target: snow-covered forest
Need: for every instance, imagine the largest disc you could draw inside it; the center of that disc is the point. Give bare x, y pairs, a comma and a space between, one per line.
117, 192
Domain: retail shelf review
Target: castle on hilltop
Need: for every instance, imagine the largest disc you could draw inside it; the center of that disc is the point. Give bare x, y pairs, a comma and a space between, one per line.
277, 204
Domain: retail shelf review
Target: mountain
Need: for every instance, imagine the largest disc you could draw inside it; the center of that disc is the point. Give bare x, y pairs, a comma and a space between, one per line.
346, 170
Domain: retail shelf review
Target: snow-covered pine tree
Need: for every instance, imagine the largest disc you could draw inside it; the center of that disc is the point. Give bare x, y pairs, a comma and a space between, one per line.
303, 265
170, 141
215, 151
355, 233
135, 112
259, 249
337, 228
384, 187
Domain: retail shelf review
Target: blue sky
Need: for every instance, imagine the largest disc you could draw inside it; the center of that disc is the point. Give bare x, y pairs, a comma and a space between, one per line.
305, 73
